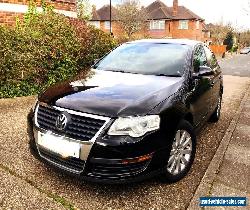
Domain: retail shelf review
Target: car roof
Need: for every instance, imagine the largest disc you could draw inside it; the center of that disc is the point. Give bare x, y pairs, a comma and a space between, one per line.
188, 42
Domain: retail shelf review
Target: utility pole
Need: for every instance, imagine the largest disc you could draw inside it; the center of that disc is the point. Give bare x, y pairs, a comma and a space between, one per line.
110, 17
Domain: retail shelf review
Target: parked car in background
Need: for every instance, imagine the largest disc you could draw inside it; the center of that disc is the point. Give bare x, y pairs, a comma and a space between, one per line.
245, 50
135, 117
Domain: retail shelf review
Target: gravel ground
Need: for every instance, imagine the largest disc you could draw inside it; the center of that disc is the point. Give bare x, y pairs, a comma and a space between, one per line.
16, 193
18, 167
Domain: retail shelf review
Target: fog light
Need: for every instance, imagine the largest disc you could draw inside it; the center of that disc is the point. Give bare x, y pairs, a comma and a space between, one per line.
138, 159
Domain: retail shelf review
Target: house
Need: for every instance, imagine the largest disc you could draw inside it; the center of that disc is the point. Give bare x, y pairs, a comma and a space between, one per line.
101, 19
10, 9
207, 38
163, 21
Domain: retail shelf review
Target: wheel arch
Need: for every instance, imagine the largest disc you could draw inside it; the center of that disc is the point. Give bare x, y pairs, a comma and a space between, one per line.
174, 115
189, 117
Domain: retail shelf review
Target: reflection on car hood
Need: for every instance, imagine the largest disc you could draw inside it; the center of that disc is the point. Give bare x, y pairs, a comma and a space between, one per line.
113, 93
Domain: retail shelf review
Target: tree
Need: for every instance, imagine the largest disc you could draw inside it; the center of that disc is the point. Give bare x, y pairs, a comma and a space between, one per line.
229, 41
219, 32
131, 17
84, 9
245, 38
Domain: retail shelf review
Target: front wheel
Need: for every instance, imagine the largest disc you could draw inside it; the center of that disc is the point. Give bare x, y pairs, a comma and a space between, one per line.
182, 153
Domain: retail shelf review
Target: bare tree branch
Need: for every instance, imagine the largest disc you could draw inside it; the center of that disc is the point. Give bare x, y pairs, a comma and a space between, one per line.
219, 32
131, 17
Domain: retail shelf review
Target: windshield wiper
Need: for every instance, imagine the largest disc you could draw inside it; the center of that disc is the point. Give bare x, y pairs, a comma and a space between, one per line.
121, 71
169, 75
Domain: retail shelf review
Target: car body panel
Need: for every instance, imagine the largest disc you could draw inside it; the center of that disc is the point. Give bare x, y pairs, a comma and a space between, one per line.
115, 94
245, 50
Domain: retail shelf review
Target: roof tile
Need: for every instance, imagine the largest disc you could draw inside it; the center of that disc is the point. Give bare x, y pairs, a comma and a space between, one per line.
104, 13
157, 10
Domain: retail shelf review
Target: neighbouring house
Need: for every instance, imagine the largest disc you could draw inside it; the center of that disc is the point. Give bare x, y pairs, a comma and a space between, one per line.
206, 33
10, 9
163, 21
101, 19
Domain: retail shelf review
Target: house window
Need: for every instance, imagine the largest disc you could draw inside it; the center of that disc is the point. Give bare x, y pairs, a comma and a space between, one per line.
183, 24
95, 23
107, 25
157, 25
197, 24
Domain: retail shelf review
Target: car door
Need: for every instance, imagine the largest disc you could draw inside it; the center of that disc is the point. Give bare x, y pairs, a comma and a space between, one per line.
200, 88
215, 79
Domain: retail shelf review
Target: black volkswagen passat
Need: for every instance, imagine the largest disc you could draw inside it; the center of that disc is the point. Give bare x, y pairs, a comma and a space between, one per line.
135, 117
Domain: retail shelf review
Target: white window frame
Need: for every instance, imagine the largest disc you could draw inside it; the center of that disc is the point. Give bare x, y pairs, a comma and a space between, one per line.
197, 24
96, 24
107, 25
183, 24
157, 25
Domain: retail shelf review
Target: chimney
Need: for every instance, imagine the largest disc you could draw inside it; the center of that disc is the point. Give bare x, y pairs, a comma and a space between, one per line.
175, 7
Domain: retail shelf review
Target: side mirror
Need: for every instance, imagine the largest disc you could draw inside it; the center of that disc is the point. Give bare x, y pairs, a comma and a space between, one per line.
203, 71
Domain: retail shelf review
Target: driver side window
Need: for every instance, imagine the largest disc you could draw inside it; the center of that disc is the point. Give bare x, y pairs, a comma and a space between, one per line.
200, 58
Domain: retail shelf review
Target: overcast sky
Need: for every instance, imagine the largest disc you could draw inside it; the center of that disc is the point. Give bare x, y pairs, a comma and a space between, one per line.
213, 11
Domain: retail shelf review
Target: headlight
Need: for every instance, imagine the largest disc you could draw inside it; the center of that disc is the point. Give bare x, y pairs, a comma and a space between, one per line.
135, 126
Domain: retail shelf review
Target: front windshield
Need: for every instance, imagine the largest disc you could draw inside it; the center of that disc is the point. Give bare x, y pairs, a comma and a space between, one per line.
146, 58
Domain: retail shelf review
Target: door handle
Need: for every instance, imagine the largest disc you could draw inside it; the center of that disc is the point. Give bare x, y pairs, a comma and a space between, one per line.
212, 83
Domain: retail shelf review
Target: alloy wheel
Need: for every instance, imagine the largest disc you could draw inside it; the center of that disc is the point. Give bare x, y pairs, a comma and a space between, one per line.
180, 154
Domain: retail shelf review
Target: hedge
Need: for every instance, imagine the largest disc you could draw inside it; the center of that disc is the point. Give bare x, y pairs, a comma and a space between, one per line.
46, 48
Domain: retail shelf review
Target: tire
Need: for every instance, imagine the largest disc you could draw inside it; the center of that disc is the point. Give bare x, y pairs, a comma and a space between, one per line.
216, 114
182, 151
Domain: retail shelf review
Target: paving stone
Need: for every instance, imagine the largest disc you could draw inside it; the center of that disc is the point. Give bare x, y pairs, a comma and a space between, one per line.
247, 105
234, 174
241, 136
244, 129
238, 154
245, 117
247, 109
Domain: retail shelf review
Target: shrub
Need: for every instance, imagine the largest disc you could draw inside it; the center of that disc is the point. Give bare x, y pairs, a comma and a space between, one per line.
234, 48
47, 48
229, 41
94, 43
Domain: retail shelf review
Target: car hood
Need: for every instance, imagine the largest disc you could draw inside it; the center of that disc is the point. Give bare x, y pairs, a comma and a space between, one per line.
113, 94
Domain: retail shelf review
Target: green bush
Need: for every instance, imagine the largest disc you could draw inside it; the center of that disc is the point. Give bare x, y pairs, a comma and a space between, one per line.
229, 41
47, 48
234, 48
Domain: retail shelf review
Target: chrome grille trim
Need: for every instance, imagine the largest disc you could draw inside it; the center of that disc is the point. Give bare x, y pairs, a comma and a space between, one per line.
72, 112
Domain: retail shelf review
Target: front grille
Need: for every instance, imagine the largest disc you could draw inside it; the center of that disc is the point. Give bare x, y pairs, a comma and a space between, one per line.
79, 127
73, 164
116, 171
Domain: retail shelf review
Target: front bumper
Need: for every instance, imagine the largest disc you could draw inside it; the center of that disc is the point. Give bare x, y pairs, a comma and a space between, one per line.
105, 161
